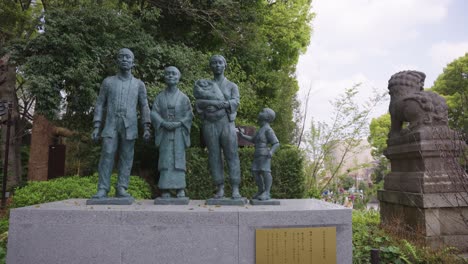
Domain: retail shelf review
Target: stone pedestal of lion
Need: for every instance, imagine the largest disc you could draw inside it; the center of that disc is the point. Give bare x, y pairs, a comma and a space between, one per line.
426, 191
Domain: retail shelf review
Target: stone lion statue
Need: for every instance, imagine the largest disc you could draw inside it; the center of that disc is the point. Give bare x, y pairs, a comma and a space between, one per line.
410, 103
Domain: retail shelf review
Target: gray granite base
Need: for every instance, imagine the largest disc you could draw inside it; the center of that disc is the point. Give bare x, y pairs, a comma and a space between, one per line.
172, 201
72, 232
439, 217
264, 202
227, 201
111, 201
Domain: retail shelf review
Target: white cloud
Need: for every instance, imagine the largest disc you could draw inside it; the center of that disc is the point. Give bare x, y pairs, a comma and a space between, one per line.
364, 41
325, 91
403, 67
376, 21
445, 52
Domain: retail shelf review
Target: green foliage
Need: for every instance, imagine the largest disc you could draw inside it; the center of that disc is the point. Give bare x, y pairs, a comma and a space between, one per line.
64, 49
17, 21
329, 145
347, 182
74, 51
371, 192
367, 235
262, 38
453, 85
72, 187
77, 51
378, 134
4, 224
382, 169
82, 155
287, 174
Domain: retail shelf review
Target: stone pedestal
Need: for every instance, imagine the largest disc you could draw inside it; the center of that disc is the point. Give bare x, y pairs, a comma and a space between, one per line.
72, 232
426, 190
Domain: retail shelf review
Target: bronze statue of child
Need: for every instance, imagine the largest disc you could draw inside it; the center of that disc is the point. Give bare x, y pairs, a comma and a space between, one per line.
261, 165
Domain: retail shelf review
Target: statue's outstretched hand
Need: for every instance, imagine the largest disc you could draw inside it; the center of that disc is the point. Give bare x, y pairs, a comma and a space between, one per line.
147, 135
95, 135
240, 131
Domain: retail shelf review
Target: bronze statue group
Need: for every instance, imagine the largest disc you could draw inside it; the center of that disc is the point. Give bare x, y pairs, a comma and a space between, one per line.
171, 116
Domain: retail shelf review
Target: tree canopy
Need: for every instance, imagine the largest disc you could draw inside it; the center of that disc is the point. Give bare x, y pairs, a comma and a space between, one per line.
378, 134
75, 42
453, 85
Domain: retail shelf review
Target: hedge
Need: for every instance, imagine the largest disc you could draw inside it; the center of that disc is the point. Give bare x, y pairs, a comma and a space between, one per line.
36, 192
287, 172
395, 248
288, 180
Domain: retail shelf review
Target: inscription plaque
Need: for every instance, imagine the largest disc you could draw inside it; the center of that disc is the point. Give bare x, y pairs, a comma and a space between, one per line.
315, 245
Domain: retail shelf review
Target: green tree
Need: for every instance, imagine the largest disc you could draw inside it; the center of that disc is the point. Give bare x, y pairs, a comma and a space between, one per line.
453, 85
262, 38
378, 134
329, 145
18, 20
347, 182
64, 65
75, 42
261, 41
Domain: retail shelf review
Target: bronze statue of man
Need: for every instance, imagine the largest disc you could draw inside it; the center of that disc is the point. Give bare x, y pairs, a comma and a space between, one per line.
219, 132
118, 98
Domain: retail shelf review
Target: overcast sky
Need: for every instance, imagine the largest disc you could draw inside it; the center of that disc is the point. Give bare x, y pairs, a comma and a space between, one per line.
369, 40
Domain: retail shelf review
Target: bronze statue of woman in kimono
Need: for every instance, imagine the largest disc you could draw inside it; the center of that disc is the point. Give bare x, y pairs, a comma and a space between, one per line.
172, 116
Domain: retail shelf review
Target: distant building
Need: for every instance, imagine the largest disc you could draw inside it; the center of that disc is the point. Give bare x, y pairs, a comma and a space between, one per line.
358, 162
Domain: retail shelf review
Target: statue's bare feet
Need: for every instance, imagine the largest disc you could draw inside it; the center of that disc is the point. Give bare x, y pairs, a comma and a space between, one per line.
235, 193
166, 195
219, 192
181, 193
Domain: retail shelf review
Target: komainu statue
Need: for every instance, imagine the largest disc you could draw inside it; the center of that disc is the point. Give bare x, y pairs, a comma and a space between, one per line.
410, 103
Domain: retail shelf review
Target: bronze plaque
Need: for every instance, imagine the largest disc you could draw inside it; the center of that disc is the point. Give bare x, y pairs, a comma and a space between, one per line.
315, 245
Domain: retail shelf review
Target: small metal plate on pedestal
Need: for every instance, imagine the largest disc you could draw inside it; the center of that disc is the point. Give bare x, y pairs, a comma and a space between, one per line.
111, 201
264, 202
172, 201
227, 201
296, 245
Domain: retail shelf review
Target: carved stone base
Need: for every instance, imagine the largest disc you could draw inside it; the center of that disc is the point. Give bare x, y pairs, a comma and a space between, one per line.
172, 201
264, 202
227, 201
441, 219
426, 191
425, 162
111, 200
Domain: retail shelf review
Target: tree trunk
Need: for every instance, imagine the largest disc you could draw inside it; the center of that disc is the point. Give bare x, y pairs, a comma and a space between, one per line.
8, 93
41, 138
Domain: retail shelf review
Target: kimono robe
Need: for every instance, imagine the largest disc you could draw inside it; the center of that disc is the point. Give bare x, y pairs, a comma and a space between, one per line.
172, 143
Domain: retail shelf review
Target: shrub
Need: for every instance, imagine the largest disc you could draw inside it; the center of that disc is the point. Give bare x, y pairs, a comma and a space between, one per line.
288, 176
367, 234
72, 187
